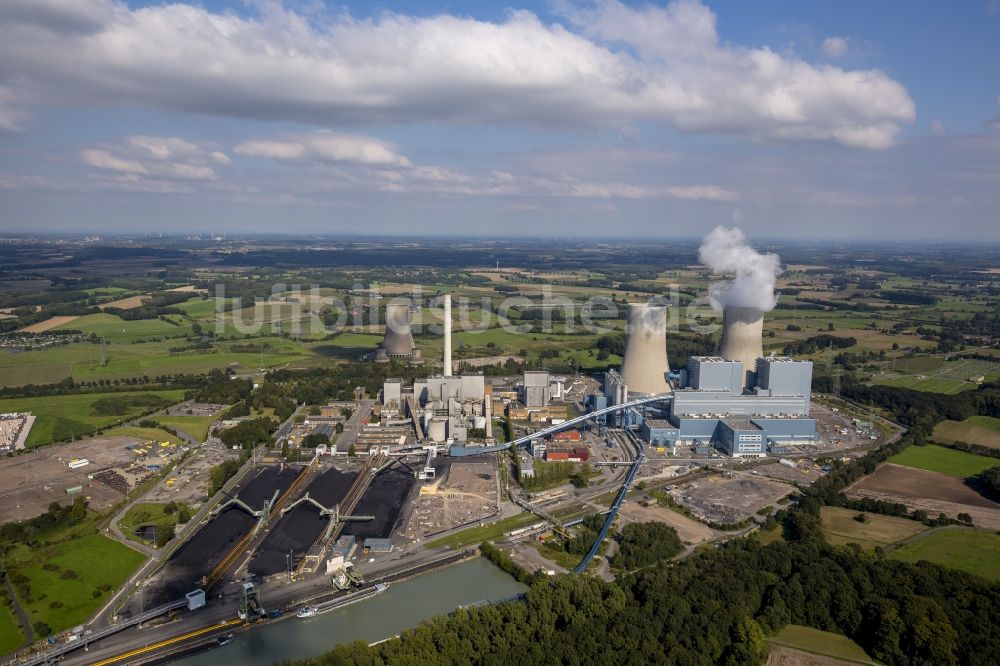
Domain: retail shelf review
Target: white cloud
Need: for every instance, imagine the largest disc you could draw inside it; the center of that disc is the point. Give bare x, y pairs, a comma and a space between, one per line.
612, 67
152, 162
938, 128
835, 47
324, 147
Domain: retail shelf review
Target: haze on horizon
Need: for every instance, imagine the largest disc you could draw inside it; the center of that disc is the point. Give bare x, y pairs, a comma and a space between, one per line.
851, 120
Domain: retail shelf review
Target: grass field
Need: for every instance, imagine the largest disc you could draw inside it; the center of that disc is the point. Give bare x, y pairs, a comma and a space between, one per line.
821, 642
196, 426
11, 635
983, 431
840, 527
488, 532
974, 551
946, 461
64, 416
65, 576
152, 434
146, 513
115, 329
929, 384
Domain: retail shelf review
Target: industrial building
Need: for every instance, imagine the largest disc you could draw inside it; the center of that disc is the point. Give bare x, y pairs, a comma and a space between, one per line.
738, 401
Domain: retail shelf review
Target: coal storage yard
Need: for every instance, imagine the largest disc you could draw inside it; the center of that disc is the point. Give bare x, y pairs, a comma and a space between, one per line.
298, 530
384, 499
202, 552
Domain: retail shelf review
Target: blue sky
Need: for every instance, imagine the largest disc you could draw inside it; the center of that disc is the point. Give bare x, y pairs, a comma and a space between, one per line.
844, 119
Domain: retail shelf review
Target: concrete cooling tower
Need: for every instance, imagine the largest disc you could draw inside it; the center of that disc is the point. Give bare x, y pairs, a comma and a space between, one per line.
398, 341
743, 338
645, 366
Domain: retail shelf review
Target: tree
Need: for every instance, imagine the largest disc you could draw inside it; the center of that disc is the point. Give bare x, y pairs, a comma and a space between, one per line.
351, 451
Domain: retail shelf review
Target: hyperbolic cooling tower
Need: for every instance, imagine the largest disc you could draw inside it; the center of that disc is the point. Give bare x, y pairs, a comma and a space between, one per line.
743, 338
398, 339
644, 367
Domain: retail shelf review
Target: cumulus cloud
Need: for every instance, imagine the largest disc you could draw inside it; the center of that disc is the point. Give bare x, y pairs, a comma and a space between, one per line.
610, 66
149, 163
324, 147
835, 47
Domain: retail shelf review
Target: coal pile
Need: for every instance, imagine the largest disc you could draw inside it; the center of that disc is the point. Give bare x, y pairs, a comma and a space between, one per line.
298, 530
384, 500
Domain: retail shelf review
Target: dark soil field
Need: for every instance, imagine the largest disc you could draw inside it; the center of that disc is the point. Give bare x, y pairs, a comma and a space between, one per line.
297, 531
384, 500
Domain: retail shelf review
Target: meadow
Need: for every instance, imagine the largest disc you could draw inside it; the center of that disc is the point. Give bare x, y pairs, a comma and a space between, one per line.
61, 417
11, 636
115, 329
144, 514
196, 426
944, 460
840, 527
825, 643
974, 551
71, 578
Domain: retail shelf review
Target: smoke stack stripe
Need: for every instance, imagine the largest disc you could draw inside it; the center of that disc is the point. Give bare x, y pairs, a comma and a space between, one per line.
645, 366
743, 338
447, 335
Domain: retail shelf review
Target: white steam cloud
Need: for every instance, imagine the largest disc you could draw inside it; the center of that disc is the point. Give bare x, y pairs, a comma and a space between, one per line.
726, 251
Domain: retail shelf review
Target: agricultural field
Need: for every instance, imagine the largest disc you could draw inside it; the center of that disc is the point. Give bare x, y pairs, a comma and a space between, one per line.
974, 551
819, 642
935, 375
944, 460
115, 329
840, 527
71, 578
61, 417
979, 430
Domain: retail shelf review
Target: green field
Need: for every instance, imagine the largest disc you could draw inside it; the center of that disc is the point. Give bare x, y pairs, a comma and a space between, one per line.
944, 460
61, 417
146, 513
196, 426
821, 642
150, 434
840, 527
64, 577
974, 551
929, 384
488, 532
115, 329
988, 422
11, 635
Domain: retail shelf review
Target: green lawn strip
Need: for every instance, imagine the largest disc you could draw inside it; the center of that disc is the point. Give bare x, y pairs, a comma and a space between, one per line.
69, 580
11, 636
825, 643
487, 532
974, 551
944, 460
62, 417
150, 434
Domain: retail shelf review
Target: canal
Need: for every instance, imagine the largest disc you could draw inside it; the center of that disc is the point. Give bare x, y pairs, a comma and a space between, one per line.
403, 606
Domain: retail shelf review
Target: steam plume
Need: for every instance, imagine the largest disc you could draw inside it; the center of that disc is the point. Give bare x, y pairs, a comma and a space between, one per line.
726, 251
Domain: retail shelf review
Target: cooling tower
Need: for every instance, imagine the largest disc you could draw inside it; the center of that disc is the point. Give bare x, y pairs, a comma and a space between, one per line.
398, 339
743, 338
644, 367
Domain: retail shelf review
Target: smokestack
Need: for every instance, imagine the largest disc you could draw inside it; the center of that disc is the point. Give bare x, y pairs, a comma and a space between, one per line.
398, 339
447, 335
645, 366
743, 338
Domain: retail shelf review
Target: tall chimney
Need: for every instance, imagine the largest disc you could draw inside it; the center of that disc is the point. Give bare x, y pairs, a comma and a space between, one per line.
447, 335
743, 339
645, 366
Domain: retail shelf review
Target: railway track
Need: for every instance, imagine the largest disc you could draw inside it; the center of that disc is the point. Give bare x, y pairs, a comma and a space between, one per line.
139, 652
239, 549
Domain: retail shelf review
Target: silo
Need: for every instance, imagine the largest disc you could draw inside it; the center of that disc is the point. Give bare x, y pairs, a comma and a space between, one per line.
436, 430
644, 367
743, 339
398, 339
